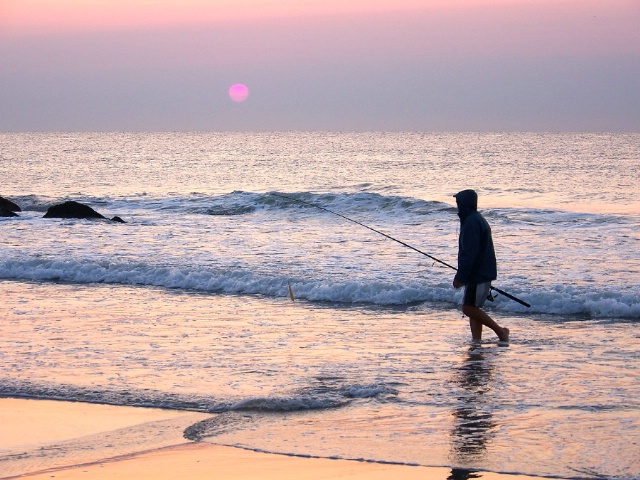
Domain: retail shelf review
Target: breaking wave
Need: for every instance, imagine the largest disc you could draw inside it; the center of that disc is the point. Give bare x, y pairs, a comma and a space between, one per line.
555, 300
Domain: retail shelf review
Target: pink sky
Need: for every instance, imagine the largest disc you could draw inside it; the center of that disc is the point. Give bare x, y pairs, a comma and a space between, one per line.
25, 17
341, 28
540, 53
69, 15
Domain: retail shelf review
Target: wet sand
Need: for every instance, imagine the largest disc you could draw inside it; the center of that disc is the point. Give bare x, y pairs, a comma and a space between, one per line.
64, 440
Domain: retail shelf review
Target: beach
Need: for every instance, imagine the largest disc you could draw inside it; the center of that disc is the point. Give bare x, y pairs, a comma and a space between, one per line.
42, 425
179, 326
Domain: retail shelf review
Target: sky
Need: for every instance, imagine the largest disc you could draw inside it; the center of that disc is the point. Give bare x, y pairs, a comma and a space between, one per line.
337, 65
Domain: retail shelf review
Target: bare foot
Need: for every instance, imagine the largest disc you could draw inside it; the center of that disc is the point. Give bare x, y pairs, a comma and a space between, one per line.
505, 335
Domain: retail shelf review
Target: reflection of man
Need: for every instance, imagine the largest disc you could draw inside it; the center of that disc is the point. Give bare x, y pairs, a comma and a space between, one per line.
476, 265
472, 412
462, 474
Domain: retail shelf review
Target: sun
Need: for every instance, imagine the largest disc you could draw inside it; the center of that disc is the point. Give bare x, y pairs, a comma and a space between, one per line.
238, 92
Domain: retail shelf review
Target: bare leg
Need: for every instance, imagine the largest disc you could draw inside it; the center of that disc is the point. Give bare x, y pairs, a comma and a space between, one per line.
476, 329
478, 316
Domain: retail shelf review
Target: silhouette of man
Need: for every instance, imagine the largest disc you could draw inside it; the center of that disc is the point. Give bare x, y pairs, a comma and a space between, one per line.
476, 265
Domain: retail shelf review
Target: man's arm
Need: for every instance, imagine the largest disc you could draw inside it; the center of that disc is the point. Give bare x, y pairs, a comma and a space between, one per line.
468, 252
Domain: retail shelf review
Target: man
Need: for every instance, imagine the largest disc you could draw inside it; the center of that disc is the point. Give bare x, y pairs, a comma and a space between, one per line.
476, 265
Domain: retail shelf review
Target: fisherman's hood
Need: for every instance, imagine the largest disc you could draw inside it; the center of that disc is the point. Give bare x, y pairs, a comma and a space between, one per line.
467, 201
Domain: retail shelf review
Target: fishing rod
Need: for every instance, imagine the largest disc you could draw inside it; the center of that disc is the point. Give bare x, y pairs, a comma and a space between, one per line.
502, 292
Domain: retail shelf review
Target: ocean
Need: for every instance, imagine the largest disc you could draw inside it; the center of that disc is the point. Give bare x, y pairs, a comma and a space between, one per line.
187, 305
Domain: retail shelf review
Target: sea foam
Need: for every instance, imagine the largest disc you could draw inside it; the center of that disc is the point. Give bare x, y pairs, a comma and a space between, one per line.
554, 300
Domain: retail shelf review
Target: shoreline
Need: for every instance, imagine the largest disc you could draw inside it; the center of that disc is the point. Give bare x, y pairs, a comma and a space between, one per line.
44, 439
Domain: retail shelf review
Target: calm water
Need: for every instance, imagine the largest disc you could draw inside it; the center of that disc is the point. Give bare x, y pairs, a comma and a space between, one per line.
186, 306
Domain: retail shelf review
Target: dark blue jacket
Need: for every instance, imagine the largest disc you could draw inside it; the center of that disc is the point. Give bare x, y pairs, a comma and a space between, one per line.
476, 256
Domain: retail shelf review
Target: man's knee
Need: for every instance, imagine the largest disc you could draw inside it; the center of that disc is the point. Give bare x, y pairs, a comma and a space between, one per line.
471, 311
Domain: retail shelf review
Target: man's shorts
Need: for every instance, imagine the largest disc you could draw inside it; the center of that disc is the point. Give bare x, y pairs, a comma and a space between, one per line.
476, 294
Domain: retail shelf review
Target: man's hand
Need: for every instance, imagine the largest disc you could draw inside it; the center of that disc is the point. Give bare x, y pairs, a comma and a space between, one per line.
456, 284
